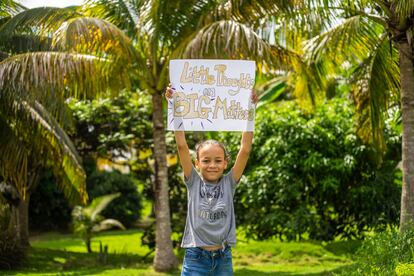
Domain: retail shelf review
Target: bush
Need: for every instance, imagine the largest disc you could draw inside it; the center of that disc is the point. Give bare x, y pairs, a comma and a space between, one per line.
12, 255
310, 174
49, 209
382, 254
126, 208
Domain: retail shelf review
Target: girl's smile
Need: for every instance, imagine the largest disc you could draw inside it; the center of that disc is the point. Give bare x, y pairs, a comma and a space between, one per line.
211, 162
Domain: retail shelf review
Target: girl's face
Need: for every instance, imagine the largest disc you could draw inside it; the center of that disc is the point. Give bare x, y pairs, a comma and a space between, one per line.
211, 162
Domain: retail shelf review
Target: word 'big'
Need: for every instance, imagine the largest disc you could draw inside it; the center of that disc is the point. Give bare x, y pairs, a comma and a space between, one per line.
193, 106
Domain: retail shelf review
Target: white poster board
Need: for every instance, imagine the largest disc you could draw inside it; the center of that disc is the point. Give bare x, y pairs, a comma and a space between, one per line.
211, 95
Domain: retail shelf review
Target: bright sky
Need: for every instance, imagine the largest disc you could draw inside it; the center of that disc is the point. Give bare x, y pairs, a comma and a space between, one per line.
50, 3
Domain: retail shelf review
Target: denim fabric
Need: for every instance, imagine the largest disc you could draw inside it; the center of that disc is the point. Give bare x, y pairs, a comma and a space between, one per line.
200, 262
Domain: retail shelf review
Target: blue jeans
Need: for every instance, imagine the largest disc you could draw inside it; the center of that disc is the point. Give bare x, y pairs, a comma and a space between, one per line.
200, 262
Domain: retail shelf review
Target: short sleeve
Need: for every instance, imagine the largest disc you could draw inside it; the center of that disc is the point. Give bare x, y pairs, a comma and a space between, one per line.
193, 177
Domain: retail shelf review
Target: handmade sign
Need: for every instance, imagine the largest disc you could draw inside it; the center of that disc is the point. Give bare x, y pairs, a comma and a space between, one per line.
211, 95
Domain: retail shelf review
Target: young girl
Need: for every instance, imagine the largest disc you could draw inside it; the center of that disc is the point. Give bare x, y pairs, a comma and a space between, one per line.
210, 229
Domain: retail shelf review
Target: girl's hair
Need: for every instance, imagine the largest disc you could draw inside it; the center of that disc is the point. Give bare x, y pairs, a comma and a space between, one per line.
200, 145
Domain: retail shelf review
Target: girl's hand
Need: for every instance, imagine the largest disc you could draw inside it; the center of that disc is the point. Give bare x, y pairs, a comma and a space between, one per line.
255, 98
169, 92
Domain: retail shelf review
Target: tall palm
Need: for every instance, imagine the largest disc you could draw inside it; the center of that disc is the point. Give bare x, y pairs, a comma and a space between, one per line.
33, 115
378, 36
157, 31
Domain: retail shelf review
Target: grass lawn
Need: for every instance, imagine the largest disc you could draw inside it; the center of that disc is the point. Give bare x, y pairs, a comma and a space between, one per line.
59, 254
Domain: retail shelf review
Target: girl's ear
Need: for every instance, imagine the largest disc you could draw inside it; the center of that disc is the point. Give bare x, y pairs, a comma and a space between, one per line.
197, 163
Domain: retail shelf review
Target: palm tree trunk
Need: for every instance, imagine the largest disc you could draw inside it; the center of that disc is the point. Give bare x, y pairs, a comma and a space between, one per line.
407, 109
19, 221
164, 256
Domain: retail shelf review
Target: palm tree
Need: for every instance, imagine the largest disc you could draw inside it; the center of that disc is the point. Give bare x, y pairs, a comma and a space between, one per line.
377, 35
33, 116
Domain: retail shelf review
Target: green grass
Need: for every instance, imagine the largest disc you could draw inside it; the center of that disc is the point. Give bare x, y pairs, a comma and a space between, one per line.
59, 254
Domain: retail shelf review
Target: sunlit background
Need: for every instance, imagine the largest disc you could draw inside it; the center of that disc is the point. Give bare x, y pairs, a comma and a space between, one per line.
50, 3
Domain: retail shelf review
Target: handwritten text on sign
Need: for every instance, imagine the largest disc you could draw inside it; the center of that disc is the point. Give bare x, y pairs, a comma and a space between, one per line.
211, 95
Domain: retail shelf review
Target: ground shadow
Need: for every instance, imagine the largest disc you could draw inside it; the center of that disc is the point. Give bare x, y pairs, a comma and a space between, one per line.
343, 248
42, 260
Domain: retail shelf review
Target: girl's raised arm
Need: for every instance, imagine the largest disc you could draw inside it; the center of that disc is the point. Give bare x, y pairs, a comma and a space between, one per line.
184, 153
243, 155
183, 150
245, 148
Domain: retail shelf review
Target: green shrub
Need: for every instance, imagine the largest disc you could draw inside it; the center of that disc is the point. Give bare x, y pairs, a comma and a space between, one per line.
383, 253
404, 269
12, 255
49, 209
309, 174
126, 208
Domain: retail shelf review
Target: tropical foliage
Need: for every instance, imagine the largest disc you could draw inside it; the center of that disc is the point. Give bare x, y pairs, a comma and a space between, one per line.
88, 220
127, 207
33, 112
377, 37
384, 254
311, 176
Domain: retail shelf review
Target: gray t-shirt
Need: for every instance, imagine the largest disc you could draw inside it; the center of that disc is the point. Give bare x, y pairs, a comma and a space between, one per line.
210, 214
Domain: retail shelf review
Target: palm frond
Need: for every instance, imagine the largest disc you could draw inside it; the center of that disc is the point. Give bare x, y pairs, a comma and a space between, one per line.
97, 37
308, 80
40, 21
98, 204
378, 85
75, 75
252, 11
10, 8
40, 137
404, 9
273, 90
355, 37
31, 30
107, 224
23, 43
230, 39
124, 14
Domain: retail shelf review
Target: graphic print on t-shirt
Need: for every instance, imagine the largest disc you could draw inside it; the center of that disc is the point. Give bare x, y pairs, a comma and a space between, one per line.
212, 207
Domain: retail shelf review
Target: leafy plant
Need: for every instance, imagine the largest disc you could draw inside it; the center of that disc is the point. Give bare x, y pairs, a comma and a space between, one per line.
127, 207
383, 253
49, 210
87, 220
310, 175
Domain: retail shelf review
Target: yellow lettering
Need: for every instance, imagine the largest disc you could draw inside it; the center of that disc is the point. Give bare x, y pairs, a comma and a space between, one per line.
184, 77
220, 105
220, 68
193, 113
204, 111
181, 107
